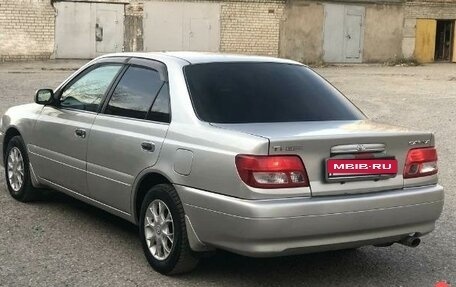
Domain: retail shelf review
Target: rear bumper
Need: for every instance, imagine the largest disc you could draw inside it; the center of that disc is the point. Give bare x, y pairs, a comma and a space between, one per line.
300, 225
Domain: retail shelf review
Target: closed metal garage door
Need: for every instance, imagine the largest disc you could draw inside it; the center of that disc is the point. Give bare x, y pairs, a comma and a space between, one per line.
343, 33
87, 30
174, 26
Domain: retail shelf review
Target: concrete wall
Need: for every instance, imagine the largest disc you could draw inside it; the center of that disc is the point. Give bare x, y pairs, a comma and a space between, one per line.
251, 27
301, 33
26, 29
383, 32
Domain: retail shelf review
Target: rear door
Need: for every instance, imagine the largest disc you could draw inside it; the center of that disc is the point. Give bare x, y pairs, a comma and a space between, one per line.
127, 136
62, 131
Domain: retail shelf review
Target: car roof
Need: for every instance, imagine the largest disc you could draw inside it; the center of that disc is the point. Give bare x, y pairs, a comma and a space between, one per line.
204, 57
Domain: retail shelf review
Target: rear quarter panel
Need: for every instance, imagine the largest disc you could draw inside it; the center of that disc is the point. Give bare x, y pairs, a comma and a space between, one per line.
206, 151
210, 154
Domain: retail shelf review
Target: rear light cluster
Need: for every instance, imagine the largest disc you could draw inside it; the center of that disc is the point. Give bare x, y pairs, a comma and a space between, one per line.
421, 162
272, 171
281, 171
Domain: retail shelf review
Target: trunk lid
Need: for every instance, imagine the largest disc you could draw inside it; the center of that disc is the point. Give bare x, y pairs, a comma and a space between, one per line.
315, 142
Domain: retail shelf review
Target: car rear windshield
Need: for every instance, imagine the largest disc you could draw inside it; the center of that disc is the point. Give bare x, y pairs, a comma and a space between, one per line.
259, 92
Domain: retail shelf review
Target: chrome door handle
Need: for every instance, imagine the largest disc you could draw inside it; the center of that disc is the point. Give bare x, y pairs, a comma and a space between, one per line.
148, 146
80, 133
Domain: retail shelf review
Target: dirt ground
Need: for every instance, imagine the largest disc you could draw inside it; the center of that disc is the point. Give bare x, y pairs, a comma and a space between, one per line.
62, 242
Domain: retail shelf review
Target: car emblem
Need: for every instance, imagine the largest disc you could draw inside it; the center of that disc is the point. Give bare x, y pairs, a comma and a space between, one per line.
360, 147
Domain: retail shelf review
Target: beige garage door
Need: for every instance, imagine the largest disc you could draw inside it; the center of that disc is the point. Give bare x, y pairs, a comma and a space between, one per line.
425, 40
175, 26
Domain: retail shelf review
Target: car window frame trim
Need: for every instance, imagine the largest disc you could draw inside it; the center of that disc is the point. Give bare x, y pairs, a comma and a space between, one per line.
144, 63
153, 103
100, 63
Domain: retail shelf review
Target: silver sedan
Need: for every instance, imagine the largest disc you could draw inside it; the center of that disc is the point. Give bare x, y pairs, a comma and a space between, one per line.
254, 155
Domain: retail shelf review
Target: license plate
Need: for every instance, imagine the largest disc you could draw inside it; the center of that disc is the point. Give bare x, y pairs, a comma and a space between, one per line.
360, 167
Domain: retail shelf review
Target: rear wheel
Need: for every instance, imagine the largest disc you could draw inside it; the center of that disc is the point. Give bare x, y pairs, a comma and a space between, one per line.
17, 171
163, 232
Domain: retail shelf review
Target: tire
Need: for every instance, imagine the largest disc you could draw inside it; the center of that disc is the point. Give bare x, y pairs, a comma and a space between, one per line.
21, 190
179, 258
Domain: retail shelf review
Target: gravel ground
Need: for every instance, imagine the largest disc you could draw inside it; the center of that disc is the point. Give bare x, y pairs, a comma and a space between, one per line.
60, 241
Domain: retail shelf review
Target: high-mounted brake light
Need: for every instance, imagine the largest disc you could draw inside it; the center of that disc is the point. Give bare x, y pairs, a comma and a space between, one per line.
421, 162
272, 171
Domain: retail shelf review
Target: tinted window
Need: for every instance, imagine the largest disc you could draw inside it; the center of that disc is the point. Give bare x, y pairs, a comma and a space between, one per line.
264, 92
135, 93
160, 111
87, 92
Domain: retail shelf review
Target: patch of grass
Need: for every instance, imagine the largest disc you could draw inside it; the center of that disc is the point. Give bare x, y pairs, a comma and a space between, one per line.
402, 62
316, 64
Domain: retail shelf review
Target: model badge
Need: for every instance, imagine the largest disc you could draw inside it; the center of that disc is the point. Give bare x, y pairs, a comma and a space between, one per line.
419, 142
287, 148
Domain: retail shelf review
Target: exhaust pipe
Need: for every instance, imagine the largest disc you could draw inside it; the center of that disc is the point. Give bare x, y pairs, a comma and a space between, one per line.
410, 241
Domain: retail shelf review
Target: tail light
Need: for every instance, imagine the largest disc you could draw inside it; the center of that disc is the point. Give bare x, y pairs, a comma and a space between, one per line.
272, 171
421, 162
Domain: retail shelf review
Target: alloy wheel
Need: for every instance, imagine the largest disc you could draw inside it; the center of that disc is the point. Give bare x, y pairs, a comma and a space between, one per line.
159, 229
15, 169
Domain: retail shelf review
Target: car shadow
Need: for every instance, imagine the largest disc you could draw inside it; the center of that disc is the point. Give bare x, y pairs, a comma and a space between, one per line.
307, 269
58, 199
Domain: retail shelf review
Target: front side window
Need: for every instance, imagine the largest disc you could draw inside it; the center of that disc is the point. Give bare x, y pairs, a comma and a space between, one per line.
262, 92
87, 92
135, 93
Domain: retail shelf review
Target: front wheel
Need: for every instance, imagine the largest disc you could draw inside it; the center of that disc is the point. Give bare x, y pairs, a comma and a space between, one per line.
163, 232
17, 171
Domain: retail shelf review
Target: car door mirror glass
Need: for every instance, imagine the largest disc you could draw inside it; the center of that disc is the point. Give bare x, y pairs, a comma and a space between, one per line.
44, 96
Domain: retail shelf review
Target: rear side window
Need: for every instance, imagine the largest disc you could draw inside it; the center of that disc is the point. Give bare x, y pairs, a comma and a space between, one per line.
135, 93
161, 111
248, 92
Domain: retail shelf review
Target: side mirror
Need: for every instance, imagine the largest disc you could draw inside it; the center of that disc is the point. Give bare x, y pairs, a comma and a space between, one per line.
44, 96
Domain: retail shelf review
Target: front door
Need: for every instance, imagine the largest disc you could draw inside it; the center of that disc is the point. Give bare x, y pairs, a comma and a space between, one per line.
127, 136
62, 131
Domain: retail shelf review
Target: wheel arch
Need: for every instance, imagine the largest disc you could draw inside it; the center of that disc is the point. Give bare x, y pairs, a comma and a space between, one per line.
9, 134
145, 182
